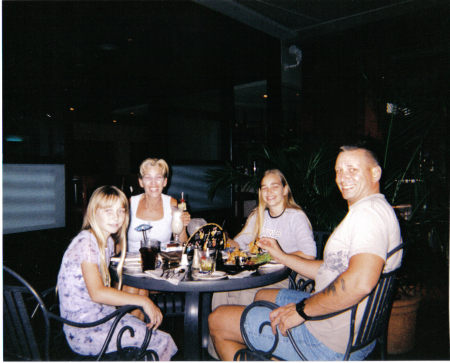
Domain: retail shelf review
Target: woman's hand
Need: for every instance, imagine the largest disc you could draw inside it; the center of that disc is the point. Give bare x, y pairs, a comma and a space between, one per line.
271, 245
154, 313
285, 317
186, 218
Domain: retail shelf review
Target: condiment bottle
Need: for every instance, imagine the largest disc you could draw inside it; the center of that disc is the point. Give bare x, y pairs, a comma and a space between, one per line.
196, 259
182, 204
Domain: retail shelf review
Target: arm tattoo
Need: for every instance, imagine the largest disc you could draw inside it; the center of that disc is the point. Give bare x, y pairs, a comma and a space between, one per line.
331, 288
343, 287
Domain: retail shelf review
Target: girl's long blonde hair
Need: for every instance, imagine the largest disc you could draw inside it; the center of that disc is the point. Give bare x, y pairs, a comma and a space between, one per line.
288, 202
105, 197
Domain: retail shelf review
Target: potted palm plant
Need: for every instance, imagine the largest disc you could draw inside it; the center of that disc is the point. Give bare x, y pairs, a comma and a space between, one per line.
413, 180
307, 165
412, 122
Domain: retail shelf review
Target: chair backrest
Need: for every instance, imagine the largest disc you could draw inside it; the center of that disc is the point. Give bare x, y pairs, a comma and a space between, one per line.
376, 314
20, 339
320, 238
28, 338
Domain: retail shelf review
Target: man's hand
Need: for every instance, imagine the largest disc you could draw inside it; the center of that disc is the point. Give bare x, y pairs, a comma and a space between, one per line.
285, 317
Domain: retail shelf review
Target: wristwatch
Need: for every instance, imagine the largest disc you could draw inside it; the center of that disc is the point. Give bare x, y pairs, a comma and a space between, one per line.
300, 307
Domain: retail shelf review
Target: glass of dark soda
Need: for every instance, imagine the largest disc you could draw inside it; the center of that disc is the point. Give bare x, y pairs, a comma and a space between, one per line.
149, 254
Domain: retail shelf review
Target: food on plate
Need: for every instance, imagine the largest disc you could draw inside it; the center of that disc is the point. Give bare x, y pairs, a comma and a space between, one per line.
259, 259
262, 258
253, 246
236, 253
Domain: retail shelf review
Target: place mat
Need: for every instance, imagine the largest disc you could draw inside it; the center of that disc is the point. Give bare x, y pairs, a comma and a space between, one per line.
174, 279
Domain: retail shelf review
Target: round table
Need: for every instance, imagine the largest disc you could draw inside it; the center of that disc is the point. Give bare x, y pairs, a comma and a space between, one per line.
198, 300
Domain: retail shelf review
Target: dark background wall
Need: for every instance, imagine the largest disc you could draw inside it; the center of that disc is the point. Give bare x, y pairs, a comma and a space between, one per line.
157, 79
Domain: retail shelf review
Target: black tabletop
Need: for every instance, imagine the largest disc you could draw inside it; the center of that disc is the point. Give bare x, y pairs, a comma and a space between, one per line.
227, 284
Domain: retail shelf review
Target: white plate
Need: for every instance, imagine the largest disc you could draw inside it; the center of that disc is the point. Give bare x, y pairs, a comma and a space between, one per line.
275, 263
269, 268
132, 263
216, 275
130, 258
130, 270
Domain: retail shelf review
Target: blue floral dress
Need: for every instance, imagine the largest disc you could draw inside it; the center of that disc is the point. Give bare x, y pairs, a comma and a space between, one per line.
76, 305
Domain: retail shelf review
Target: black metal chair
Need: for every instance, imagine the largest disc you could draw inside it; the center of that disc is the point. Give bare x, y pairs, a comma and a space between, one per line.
373, 326
296, 282
321, 238
31, 330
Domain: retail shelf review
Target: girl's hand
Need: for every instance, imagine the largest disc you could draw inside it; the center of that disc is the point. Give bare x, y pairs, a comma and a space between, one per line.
186, 218
285, 317
154, 314
271, 245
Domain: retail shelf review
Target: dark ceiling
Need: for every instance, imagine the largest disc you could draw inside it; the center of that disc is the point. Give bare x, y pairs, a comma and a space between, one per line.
109, 54
297, 20
100, 56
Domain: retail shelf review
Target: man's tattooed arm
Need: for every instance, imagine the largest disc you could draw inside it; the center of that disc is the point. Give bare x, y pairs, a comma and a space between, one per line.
331, 289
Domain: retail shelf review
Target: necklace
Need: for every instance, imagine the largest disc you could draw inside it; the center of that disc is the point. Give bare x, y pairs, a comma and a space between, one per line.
277, 215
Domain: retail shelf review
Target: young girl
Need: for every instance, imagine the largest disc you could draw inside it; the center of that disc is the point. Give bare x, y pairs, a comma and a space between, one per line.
84, 283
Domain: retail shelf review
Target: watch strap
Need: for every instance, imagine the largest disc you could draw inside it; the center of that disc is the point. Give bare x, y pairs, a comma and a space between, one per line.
300, 309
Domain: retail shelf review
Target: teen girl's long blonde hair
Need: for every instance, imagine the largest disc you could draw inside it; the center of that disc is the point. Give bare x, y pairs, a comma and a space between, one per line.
105, 197
288, 202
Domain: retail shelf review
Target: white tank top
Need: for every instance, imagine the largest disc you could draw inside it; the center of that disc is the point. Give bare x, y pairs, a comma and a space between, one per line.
161, 230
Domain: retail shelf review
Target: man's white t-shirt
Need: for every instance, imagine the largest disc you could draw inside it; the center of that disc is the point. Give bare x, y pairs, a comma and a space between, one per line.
370, 226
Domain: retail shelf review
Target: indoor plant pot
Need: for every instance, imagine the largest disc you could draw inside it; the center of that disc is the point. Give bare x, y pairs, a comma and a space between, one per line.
402, 322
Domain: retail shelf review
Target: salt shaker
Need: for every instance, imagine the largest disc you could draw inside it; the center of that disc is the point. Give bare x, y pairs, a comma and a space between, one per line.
196, 259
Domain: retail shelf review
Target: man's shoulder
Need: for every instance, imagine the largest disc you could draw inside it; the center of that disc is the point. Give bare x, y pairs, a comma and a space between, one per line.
373, 198
372, 203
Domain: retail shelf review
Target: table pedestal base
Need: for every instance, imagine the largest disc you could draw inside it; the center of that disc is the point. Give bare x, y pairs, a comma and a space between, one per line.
197, 310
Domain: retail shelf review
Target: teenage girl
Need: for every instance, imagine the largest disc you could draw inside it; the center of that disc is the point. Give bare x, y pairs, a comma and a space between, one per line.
84, 283
277, 216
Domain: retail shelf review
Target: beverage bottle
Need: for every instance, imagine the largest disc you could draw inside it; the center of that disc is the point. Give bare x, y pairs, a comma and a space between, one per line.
182, 204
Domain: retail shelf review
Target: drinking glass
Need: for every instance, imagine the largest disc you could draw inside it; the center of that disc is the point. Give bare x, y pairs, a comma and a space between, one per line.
177, 223
149, 254
207, 261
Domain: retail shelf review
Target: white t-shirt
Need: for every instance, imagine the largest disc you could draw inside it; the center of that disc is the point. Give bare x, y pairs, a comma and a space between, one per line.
370, 226
291, 230
161, 230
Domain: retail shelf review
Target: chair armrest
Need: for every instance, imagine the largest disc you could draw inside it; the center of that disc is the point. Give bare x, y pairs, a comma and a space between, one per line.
117, 316
268, 354
304, 284
301, 284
